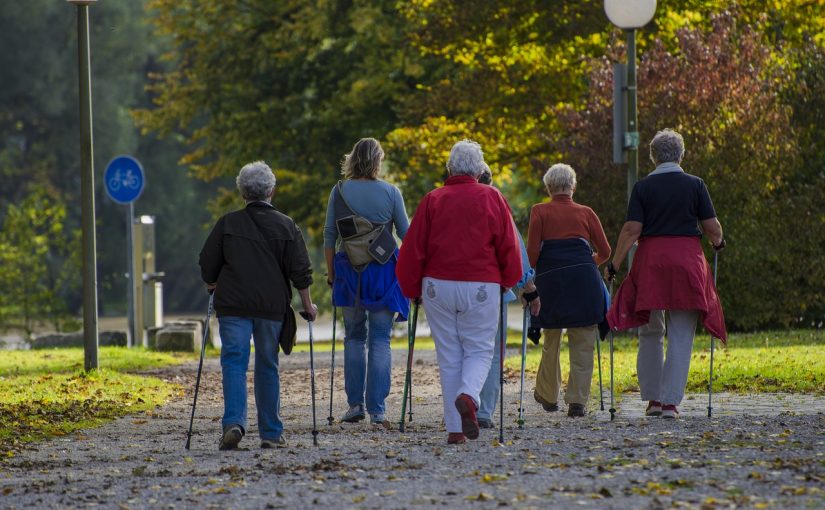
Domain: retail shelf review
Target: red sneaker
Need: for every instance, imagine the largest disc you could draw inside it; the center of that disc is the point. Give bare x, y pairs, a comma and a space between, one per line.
670, 412
654, 408
467, 409
456, 438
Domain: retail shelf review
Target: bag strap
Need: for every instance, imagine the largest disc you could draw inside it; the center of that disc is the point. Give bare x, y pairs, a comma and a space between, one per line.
275, 256
340, 188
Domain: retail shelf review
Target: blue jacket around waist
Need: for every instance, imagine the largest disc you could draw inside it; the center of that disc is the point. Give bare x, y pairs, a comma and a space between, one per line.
571, 289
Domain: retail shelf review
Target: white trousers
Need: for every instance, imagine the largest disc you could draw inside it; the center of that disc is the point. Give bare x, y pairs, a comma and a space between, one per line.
463, 318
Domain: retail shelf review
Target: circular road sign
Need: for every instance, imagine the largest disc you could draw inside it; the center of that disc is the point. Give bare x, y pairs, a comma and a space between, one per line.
123, 179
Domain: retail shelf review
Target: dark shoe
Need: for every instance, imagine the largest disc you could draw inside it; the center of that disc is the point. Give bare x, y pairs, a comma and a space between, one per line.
456, 438
232, 435
485, 423
273, 443
355, 414
467, 409
547, 406
575, 410
654, 408
669, 412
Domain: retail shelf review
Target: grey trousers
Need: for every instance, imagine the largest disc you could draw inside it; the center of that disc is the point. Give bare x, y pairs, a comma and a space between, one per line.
665, 382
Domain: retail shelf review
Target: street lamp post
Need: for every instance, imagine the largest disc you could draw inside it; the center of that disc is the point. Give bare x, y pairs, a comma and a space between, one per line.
87, 187
630, 15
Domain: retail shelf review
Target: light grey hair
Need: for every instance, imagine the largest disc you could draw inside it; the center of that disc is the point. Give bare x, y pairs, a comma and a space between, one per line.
560, 178
255, 181
466, 158
667, 146
364, 161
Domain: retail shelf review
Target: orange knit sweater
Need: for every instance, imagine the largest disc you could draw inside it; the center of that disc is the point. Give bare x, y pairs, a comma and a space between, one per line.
562, 218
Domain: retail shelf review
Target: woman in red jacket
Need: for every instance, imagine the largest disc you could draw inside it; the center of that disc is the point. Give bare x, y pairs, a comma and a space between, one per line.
458, 254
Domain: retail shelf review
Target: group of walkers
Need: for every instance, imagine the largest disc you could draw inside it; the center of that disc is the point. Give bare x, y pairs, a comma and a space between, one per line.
460, 257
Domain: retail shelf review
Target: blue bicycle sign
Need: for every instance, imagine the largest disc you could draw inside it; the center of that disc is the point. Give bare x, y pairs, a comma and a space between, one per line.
124, 179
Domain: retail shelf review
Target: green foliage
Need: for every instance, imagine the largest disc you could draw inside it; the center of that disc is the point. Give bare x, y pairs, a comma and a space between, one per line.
296, 82
293, 83
770, 361
37, 266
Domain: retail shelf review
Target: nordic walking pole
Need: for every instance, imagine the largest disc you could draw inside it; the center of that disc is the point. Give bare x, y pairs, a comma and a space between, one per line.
523, 361
413, 327
502, 348
710, 378
200, 366
330, 419
408, 377
309, 320
599, 356
612, 407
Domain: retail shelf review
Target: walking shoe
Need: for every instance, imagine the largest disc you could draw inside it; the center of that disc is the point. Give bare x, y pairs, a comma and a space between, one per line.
670, 412
575, 410
485, 423
547, 406
355, 414
377, 419
467, 409
273, 443
654, 408
456, 438
232, 435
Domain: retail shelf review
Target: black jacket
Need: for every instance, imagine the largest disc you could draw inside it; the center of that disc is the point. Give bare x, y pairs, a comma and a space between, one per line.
251, 254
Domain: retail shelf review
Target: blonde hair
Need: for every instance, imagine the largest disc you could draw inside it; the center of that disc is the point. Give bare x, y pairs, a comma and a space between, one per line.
560, 178
364, 161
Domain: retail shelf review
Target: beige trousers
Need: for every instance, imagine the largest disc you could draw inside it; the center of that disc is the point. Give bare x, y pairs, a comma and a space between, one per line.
548, 381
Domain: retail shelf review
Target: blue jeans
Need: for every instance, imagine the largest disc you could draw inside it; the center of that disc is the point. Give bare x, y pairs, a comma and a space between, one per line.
492, 386
367, 374
235, 335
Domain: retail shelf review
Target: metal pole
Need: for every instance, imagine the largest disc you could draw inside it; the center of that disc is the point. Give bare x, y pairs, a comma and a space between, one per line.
87, 191
632, 136
130, 264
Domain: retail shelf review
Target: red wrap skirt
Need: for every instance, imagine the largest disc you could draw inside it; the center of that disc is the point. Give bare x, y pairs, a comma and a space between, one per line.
668, 273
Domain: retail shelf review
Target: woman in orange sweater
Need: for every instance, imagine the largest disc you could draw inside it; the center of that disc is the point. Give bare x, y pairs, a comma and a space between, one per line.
566, 244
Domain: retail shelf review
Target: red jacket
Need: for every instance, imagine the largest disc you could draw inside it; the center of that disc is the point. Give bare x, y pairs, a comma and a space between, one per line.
462, 231
668, 273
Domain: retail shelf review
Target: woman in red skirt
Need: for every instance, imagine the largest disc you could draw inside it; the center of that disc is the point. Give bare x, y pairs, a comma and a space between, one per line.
670, 285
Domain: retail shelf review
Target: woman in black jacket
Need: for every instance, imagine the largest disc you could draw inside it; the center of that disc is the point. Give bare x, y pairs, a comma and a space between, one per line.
249, 260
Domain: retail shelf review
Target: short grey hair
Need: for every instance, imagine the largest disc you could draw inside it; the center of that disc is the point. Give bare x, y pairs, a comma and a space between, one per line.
667, 146
255, 181
466, 158
560, 178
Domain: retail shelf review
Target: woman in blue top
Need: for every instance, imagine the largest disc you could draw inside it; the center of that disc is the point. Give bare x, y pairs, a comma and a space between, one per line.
369, 297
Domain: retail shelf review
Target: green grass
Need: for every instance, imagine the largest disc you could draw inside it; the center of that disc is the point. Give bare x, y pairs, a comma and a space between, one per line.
772, 361
44, 393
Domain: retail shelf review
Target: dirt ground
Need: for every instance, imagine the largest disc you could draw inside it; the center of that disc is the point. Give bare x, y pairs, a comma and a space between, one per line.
762, 451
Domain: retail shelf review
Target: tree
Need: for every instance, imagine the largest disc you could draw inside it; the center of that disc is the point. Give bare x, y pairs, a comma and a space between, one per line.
37, 268
294, 83
739, 138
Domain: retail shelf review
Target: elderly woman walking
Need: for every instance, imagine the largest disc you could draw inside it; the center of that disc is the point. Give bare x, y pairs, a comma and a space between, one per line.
367, 292
566, 243
670, 284
460, 253
249, 260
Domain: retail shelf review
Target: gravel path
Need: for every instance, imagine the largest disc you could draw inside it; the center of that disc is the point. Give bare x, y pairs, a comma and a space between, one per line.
770, 455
